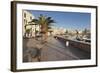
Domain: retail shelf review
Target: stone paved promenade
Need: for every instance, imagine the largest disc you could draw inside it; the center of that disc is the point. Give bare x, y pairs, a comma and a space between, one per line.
52, 50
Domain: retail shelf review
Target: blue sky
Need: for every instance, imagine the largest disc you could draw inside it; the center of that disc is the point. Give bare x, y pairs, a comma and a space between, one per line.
67, 20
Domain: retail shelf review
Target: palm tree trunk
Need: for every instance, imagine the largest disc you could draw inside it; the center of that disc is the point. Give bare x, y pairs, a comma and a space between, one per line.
46, 36
42, 33
46, 33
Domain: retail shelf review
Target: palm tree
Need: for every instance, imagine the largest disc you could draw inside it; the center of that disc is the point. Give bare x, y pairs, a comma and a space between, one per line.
44, 24
77, 34
48, 25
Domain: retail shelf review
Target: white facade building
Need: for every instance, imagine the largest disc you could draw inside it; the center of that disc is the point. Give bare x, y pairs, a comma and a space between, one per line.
27, 17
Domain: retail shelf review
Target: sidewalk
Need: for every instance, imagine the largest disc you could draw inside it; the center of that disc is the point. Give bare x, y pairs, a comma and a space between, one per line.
53, 50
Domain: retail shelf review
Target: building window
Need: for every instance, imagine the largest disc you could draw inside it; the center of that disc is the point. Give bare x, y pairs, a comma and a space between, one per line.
24, 15
30, 18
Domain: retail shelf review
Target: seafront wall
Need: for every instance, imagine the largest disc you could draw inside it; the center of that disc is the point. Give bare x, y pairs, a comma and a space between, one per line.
85, 46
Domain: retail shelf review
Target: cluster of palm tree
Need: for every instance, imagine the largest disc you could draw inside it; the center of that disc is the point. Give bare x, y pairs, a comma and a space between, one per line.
44, 23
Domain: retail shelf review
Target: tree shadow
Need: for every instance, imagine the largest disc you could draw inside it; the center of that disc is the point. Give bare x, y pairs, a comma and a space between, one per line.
31, 53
